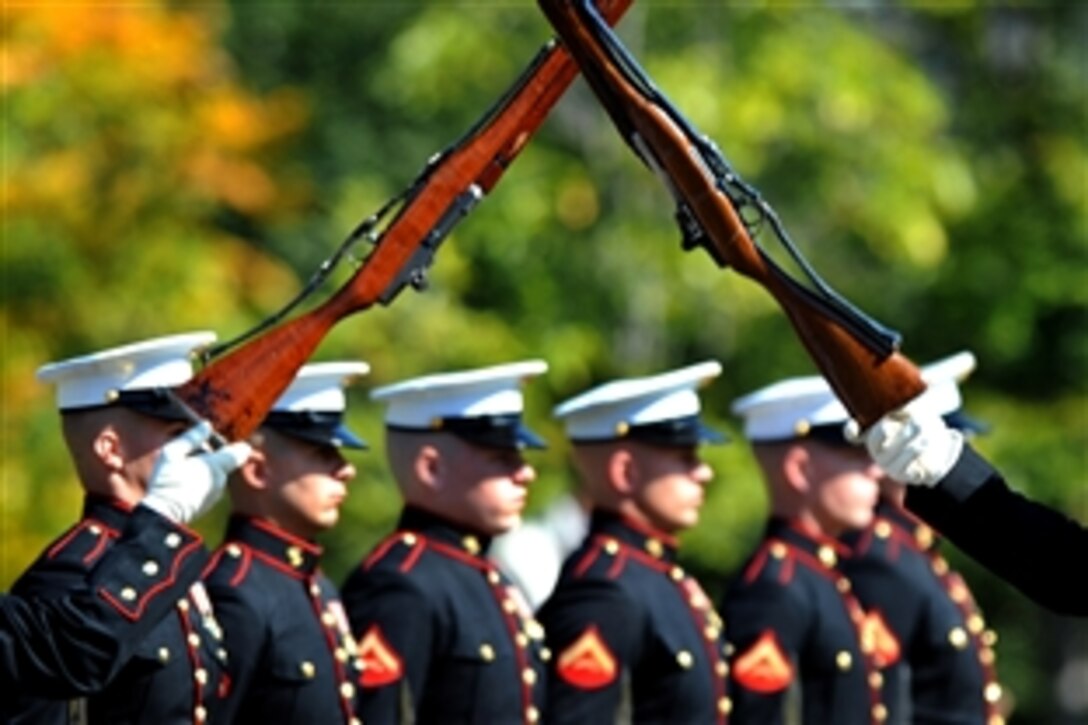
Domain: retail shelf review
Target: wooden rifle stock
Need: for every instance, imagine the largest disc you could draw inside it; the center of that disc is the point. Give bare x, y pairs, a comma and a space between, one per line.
870, 382
237, 390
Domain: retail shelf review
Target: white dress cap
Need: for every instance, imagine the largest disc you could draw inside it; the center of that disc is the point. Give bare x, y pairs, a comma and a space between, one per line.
799, 407
319, 387
619, 408
312, 408
96, 379
492, 391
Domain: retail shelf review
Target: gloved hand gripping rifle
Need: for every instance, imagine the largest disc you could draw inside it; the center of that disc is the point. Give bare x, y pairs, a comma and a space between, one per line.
237, 389
717, 210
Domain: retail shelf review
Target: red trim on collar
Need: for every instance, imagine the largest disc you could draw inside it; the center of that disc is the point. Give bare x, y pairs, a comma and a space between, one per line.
271, 528
667, 539
821, 539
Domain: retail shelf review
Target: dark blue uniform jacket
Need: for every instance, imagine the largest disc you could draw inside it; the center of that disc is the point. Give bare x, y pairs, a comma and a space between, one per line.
444, 636
930, 640
174, 673
292, 657
634, 637
794, 630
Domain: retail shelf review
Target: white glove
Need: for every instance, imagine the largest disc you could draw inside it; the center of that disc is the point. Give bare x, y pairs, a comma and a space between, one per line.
185, 484
914, 446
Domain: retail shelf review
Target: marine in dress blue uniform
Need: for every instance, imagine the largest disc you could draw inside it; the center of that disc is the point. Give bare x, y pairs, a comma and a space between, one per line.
172, 676
930, 640
444, 636
293, 657
634, 636
73, 644
794, 624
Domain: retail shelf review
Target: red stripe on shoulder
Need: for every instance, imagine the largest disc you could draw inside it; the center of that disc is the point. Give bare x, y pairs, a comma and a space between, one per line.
772, 550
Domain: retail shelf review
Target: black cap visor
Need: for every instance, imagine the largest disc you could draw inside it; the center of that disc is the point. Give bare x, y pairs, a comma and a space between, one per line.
490, 431
325, 429
677, 432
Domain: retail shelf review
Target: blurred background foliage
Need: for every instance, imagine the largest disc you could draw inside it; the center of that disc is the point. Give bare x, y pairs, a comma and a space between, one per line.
171, 167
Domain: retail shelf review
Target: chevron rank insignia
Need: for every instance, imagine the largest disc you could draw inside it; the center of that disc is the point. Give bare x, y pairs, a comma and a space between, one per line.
764, 667
381, 663
878, 639
587, 663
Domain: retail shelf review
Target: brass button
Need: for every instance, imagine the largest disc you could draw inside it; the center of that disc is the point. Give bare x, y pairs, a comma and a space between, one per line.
827, 556
721, 667
882, 529
975, 624
200, 713
471, 544
989, 638
172, 540
532, 714
843, 585
655, 548
876, 680
183, 605
234, 551
545, 654
294, 556
493, 577
843, 660
95, 529
315, 590
487, 652
611, 547
684, 659
880, 712
193, 639
409, 539
308, 669
992, 693
676, 574
725, 705
509, 606
924, 536
341, 655
940, 566
986, 656
201, 676
528, 676
328, 619
164, 655
128, 594
778, 550
711, 632
347, 690
534, 629
957, 637
521, 639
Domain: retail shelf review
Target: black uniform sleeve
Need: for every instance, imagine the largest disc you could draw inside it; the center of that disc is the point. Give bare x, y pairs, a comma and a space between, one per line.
75, 643
595, 633
1025, 543
766, 628
392, 616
